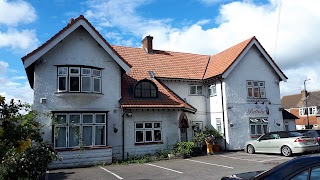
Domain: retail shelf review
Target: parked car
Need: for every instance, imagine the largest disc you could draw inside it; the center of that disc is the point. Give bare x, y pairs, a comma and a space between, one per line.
303, 167
311, 133
282, 142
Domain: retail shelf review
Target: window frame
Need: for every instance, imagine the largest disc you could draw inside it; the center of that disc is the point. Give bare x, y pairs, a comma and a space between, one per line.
213, 90
261, 125
144, 131
196, 90
68, 125
78, 74
145, 89
256, 89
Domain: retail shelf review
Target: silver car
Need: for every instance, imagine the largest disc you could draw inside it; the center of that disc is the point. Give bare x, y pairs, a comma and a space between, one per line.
282, 142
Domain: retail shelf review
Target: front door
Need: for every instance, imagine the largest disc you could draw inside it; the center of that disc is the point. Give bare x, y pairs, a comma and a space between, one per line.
183, 135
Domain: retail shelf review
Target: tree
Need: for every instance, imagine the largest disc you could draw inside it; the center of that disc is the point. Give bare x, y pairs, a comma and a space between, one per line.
23, 153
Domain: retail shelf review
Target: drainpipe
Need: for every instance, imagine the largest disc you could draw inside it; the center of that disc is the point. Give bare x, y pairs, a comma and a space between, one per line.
124, 112
223, 120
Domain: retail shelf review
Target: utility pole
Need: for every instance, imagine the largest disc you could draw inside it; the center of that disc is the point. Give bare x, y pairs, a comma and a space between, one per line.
306, 102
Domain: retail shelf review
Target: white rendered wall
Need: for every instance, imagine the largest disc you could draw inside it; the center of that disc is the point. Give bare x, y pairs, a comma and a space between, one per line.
79, 48
253, 66
170, 130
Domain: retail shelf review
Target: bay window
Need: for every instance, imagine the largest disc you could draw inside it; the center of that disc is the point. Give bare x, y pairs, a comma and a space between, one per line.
79, 79
258, 126
73, 129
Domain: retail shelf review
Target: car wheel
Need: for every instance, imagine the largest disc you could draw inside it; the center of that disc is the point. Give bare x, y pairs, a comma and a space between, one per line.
286, 151
250, 149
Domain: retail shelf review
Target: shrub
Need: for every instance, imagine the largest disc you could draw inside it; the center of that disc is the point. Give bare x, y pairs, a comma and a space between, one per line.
183, 148
23, 153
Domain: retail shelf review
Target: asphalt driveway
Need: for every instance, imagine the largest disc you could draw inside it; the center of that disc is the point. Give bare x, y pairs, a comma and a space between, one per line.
202, 167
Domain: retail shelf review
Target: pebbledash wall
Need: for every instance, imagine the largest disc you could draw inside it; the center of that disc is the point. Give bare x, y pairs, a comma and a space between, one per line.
238, 110
79, 48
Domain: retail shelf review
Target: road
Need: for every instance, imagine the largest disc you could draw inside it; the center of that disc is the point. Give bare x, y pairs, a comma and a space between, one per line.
202, 167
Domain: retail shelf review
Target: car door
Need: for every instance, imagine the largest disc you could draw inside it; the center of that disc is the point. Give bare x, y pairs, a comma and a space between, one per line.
263, 143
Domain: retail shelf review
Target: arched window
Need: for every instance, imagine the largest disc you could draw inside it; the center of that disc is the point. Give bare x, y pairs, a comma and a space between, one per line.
146, 89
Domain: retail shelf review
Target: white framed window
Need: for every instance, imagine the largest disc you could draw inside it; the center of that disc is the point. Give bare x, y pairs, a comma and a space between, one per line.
256, 89
212, 90
218, 125
195, 90
71, 129
258, 126
310, 111
79, 79
148, 132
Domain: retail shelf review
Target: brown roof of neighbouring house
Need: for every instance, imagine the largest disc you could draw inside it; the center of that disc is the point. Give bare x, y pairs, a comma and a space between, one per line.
298, 100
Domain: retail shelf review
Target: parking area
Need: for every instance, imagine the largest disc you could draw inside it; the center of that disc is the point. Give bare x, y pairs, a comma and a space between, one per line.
202, 167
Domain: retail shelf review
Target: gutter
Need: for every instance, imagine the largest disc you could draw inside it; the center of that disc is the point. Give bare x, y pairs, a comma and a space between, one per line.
124, 112
223, 119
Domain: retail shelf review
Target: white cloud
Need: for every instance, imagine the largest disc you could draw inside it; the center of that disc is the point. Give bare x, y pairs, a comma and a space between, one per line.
3, 67
24, 40
11, 88
293, 41
16, 12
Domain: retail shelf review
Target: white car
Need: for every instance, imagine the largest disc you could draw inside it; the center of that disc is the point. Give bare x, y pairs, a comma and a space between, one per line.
282, 142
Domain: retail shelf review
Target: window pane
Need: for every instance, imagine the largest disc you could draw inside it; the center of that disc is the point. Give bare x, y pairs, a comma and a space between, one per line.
148, 125
86, 71
193, 90
153, 93
62, 71
60, 137
301, 176
253, 129
86, 84
96, 72
74, 118
137, 92
87, 135
62, 83
255, 83
74, 83
87, 118
157, 125
74, 136
256, 92
139, 136
259, 130
249, 83
139, 125
250, 92
262, 92
75, 71
149, 136
157, 135
96, 85
199, 90
100, 118
265, 128
61, 119
100, 135
315, 173
219, 129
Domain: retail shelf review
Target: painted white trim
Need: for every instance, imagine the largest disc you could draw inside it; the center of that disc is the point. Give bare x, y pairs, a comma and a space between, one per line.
30, 60
265, 55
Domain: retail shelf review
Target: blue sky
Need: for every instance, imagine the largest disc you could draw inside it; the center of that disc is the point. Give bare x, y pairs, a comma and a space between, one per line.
288, 30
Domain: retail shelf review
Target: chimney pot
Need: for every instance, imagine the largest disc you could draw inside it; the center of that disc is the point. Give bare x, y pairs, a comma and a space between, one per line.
147, 44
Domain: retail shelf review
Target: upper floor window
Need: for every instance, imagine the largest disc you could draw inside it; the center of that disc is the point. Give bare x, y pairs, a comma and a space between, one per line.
79, 79
195, 90
146, 89
256, 89
309, 111
212, 90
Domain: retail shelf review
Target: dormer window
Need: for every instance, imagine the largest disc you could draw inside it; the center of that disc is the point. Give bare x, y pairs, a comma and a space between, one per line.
79, 79
146, 89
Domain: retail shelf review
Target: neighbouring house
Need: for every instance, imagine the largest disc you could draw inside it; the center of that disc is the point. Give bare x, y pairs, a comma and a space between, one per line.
289, 121
305, 106
122, 101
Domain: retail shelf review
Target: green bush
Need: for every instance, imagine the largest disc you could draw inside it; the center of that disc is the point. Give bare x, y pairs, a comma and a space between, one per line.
23, 153
183, 148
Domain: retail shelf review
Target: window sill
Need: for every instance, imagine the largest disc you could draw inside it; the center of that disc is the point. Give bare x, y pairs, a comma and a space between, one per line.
85, 148
77, 94
149, 143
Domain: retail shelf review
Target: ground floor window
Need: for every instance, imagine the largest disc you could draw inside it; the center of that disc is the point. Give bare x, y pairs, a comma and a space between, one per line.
148, 132
72, 130
258, 126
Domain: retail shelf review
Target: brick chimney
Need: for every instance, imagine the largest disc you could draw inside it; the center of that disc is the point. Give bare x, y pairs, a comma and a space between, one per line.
147, 44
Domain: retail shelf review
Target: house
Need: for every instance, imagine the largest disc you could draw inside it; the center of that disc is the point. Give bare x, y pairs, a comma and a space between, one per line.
305, 106
289, 121
122, 101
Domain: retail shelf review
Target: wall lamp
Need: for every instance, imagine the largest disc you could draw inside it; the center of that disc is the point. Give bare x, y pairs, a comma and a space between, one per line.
129, 114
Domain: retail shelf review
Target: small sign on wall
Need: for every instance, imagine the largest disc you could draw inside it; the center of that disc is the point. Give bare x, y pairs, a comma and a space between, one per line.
258, 109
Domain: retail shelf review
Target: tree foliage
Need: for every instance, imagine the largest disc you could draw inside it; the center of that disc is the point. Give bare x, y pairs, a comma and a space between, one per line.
23, 153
